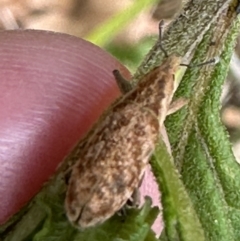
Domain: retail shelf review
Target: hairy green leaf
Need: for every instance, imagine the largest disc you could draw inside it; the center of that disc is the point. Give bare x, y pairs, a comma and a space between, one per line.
201, 147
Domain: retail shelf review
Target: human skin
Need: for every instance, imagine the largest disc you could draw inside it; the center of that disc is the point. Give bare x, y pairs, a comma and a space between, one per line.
53, 88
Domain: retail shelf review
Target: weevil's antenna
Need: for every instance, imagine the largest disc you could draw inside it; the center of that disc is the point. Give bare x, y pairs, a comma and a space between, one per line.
210, 61
160, 29
124, 85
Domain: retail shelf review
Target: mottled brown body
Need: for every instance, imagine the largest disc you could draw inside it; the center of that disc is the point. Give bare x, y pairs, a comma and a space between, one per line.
116, 152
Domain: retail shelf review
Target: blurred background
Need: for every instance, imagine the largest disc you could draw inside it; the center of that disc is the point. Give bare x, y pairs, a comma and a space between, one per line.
125, 28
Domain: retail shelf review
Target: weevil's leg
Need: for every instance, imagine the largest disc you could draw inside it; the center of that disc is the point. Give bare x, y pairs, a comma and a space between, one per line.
164, 136
132, 202
123, 84
67, 175
176, 105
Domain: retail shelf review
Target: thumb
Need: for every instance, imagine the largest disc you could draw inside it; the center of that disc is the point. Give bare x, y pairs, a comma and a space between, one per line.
53, 87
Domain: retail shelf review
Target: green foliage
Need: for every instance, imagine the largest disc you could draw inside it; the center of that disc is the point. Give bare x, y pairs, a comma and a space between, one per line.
135, 225
199, 182
180, 219
201, 147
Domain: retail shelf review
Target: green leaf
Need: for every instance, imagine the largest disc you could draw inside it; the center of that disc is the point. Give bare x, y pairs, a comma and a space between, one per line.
180, 219
135, 226
200, 144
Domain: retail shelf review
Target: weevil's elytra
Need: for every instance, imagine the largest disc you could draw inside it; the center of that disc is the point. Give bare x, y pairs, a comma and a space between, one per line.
116, 153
